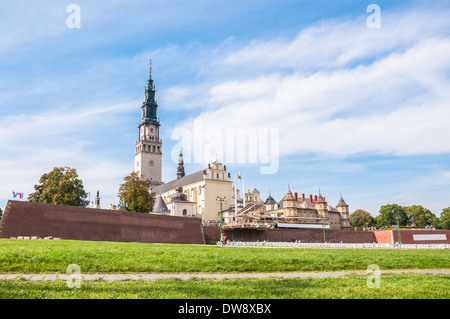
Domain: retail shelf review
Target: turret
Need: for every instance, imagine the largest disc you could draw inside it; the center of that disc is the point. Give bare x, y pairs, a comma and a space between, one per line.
342, 207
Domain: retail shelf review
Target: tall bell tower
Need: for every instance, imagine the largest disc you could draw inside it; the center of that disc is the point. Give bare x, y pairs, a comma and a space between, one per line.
148, 152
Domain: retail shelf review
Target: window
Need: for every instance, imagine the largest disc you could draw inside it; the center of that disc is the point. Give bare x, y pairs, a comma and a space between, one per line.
184, 212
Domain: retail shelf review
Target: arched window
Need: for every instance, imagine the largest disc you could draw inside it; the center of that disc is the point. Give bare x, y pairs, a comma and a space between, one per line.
184, 212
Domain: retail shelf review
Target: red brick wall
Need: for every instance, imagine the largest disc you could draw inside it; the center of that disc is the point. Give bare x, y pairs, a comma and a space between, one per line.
212, 235
42, 220
408, 236
383, 237
67, 222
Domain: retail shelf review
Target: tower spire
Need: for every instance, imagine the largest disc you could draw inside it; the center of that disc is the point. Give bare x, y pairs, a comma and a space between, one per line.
149, 106
180, 168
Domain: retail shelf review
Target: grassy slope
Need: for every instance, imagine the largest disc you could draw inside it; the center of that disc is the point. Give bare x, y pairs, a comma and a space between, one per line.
28, 256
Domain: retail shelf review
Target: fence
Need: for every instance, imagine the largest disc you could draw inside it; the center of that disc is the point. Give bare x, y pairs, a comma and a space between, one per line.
337, 245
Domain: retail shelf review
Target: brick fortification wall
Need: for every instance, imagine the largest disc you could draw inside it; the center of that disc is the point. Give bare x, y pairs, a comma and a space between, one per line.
422, 236
212, 235
67, 222
383, 237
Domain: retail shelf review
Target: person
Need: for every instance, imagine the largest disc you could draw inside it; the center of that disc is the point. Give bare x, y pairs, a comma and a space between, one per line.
223, 240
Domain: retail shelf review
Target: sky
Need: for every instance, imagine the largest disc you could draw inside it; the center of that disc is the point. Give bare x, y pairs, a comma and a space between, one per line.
333, 96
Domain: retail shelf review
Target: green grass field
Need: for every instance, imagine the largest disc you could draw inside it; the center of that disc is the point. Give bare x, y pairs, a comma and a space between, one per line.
39, 256
392, 286
29, 256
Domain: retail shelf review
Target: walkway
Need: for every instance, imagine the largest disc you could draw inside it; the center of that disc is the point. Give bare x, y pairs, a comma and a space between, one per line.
130, 277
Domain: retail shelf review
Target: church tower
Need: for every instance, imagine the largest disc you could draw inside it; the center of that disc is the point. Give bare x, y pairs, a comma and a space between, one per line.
148, 152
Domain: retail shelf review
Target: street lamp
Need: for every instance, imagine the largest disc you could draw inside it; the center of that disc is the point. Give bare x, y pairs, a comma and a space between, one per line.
398, 227
220, 200
323, 229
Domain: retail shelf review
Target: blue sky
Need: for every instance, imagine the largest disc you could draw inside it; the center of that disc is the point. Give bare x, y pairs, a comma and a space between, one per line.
362, 111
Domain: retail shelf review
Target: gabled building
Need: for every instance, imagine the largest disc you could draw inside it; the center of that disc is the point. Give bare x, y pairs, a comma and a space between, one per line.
205, 188
313, 210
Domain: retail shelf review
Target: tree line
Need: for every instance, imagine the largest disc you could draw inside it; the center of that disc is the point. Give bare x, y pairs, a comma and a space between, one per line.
404, 216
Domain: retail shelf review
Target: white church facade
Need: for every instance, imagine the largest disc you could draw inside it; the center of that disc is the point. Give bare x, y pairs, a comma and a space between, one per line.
206, 188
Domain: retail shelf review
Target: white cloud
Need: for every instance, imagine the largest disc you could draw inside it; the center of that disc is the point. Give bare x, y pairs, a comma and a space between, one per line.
349, 90
336, 43
33, 144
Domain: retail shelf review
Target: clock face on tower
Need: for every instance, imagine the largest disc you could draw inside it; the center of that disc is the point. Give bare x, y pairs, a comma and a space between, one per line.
151, 163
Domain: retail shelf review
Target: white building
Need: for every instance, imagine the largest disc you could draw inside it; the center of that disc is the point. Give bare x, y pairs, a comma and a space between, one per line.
205, 188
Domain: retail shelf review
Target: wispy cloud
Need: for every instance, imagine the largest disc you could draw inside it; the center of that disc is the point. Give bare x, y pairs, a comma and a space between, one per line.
350, 89
33, 144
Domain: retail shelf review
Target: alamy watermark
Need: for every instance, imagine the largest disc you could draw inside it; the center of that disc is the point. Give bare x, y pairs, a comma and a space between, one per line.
74, 279
374, 19
374, 278
73, 21
231, 145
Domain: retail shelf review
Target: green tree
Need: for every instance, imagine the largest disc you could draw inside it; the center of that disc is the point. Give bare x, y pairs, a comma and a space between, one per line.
422, 216
389, 214
361, 218
444, 219
61, 186
1, 213
134, 194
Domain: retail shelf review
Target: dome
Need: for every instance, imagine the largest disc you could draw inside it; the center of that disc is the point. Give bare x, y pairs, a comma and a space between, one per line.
179, 195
